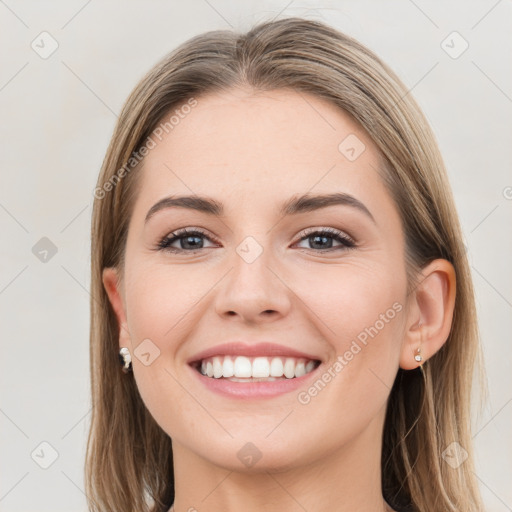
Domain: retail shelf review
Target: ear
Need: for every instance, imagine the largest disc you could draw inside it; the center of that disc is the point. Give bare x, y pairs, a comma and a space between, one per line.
113, 286
430, 313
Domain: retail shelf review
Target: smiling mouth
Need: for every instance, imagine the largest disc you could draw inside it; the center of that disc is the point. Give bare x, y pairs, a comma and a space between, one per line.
255, 369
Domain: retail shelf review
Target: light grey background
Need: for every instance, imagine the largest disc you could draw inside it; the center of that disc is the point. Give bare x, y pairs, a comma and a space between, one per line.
57, 116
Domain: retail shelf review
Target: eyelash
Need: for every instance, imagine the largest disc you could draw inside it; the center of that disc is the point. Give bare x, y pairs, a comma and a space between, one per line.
347, 242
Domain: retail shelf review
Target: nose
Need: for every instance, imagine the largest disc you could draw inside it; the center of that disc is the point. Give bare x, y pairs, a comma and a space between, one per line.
253, 291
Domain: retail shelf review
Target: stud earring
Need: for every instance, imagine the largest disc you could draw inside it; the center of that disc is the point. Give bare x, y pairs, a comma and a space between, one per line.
125, 359
418, 356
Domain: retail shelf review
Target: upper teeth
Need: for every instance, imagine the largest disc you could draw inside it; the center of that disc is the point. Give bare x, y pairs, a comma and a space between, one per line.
259, 367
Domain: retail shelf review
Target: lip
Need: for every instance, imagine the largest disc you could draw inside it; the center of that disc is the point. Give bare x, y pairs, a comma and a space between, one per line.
254, 390
238, 348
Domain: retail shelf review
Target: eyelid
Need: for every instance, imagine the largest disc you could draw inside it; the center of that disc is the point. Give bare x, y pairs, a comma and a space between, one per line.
188, 230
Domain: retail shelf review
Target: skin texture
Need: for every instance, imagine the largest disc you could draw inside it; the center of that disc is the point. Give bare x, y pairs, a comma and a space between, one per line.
252, 151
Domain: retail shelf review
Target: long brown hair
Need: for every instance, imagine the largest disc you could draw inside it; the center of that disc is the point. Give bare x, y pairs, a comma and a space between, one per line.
129, 464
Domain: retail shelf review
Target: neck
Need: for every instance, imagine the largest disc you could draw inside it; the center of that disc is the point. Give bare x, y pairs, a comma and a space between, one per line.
346, 479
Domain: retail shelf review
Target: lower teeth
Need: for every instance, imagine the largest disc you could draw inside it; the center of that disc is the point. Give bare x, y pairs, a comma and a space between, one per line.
253, 379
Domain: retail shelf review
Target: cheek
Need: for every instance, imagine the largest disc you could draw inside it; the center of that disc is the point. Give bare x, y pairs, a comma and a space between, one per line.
350, 299
365, 319
159, 299
360, 313
160, 303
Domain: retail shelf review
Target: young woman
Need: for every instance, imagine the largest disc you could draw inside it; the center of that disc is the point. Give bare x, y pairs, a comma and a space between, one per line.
282, 317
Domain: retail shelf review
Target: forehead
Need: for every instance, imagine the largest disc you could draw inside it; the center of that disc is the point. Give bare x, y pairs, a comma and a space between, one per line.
248, 146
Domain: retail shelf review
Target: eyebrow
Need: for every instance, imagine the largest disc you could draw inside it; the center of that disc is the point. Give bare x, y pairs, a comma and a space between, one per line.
293, 206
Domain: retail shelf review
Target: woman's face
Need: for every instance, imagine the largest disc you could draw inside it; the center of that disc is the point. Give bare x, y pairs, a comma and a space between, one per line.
257, 274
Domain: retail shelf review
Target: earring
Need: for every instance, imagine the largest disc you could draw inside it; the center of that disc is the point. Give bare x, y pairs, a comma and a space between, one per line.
418, 356
125, 359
